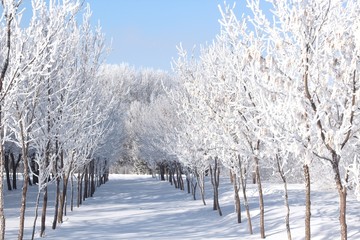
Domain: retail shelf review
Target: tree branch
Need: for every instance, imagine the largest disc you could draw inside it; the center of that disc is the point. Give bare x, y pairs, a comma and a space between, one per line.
352, 111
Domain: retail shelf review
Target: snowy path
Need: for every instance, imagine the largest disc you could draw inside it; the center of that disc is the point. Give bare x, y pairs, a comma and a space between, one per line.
141, 209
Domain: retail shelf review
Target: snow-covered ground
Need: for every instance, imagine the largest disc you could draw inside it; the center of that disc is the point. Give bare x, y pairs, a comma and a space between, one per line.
141, 207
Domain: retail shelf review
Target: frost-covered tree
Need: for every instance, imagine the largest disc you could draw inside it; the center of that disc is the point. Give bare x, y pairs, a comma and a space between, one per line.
313, 50
55, 108
225, 85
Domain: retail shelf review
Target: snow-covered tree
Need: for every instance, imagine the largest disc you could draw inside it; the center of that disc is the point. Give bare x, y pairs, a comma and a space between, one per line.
312, 50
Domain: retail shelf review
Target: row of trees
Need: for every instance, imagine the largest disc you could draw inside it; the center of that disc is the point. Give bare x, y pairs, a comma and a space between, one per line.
272, 92
275, 91
57, 108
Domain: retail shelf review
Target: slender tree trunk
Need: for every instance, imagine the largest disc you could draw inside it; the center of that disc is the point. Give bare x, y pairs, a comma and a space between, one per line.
215, 177
236, 197
307, 202
286, 197
72, 193
78, 202
214, 192
2, 215
45, 196
179, 177
7, 171
24, 193
193, 189
65, 205
62, 193
243, 187
261, 198
231, 175
89, 184
62, 199
167, 174
81, 187
57, 196
287, 219
342, 191
343, 225
56, 170
200, 179
43, 213
15, 165
86, 177
92, 179
36, 214
162, 172
23, 207
188, 183
170, 176
176, 184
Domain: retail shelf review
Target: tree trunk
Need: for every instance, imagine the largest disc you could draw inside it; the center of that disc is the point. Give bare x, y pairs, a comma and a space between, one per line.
261, 198
36, 214
342, 191
287, 219
23, 207
286, 197
62, 194
170, 176
243, 187
215, 176
89, 184
343, 225
72, 193
2, 215
179, 176
254, 177
167, 174
45, 197
236, 197
43, 213
7, 171
24, 193
162, 172
307, 202
79, 183
188, 183
62, 199
62, 209
231, 176
78, 190
86, 180
57, 196
81, 187
35, 173
14, 168
200, 179
92, 177
56, 170
175, 181
193, 189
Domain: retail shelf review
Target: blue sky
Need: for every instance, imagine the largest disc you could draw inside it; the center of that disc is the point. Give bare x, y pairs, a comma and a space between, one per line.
145, 32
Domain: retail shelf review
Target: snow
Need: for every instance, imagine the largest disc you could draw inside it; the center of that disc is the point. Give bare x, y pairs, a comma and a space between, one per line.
142, 207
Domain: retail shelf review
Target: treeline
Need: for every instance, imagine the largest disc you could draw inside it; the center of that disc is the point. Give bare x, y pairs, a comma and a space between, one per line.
277, 91
56, 111
64, 113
